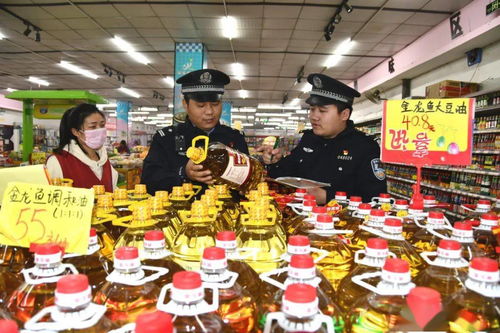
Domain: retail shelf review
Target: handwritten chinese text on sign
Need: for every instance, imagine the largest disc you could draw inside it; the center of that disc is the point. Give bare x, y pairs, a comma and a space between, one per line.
43, 213
428, 131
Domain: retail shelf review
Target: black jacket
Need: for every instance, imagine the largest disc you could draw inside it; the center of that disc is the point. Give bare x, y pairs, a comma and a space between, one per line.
164, 166
350, 162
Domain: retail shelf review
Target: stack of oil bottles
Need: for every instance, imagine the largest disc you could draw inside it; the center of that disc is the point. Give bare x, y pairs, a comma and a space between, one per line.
199, 261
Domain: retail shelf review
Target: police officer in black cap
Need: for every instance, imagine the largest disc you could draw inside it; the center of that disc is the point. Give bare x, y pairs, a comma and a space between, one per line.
333, 151
166, 164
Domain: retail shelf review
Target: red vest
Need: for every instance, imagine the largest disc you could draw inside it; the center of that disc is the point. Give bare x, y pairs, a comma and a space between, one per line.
81, 174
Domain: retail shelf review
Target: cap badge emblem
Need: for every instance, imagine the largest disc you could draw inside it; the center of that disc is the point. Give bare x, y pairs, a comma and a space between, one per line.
206, 78
317, 82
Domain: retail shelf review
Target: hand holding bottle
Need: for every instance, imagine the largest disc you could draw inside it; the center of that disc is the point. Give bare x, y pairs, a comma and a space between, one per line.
270, 155
197, 173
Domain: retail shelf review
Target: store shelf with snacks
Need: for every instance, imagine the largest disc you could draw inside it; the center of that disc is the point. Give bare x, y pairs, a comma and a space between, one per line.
487, 172
401, 196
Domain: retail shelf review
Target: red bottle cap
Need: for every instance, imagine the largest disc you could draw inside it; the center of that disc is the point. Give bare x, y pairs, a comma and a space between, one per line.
226, 236
489, 216
301, 190
127, 253
154, 235
47, 249
309, 203
354, 198
319, 210
377, 212
299, 240
93, 233
309, 197
72, 284
497, 249
8, 326
214, 253
300, 293
402, 202
187, 280
429, 197
341, 194
384, 195
424, 303
377, 243
417, 206
393, 222
396, 265
436, 214
464, 225
302, 261
484, 264
448, 244
324, 218
365, 206
154, 322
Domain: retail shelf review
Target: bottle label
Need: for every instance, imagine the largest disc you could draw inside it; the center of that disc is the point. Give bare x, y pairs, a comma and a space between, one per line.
238, 167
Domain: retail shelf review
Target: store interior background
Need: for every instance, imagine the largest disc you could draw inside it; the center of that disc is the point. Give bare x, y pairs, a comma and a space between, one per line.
273, 42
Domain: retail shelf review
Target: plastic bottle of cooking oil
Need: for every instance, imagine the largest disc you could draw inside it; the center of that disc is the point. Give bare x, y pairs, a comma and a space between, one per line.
475, 309
375, 221
139, 193
415, 213
121, 202
338, 262
300, 270
102, 222
211, 200
426, 240
191, 190
263, 189
180, 201
160, 212
260, 240
354, 217
400, 208
369, 260
299, 313
8, 283
309, 222
475, 211
484, 236
380, 310
429, 201
231, 206
303, 210
237, 307
73, 311
37, 290
186, 302
98, 190
384, 201
94, 265
247, 278
130, 289
156, 254
462, 233
447, 272
197, 232
137, 225
12, 258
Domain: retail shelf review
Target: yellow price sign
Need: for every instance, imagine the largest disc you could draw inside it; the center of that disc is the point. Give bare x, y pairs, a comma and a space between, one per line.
428, 131
34, 213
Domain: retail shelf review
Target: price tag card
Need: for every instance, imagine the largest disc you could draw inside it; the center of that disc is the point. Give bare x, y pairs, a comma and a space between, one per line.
34, 213
428, 131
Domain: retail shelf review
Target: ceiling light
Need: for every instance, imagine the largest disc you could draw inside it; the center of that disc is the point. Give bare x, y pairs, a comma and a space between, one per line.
277, 107
139, 57
270, 114
345, 46
138, 112
148, 108
170, 105
243, 93
38, 81
229, 27
127, 47
238, 117
247, 109
307, 87
102, 106
348, 7
38, 38
78, 70
2, 36
337, 19
169, 80
295, 101
238, 70
294, 118
27, 31
302, 111
11, 90
129, 92
333, 60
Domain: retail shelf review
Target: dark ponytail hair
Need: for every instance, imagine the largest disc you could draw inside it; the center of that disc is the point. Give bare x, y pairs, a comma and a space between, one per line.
74, 118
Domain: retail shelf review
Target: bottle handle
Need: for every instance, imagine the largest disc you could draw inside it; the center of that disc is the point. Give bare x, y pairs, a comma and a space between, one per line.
196, 189
321, 254
266, 277
359, 280
204, 149
357, 260
270, 317
437, 234
159, 272
232, 277
426, 255
464, 207
327, 320
206, 308
129, 328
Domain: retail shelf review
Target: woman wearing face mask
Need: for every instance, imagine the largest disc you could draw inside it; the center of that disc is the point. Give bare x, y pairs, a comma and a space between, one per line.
81, 155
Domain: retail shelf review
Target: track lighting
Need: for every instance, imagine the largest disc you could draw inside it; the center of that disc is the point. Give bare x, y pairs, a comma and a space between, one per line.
37, 36
27, 31
337, 19
348, 7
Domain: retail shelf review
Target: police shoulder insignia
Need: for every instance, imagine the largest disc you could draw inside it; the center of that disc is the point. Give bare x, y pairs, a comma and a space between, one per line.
377, 169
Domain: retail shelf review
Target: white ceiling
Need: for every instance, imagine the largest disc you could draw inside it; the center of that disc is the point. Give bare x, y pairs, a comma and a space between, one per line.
275, 40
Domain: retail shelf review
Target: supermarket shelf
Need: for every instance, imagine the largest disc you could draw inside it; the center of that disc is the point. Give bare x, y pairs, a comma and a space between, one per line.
488, 108
457, 215
444, 189
487, 131
464, 170
479, 151
399, 195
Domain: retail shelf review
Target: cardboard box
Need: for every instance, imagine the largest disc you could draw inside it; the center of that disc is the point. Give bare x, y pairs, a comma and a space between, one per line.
449, 88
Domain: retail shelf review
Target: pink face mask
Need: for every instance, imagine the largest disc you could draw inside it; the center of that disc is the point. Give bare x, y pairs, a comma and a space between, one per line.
95, 138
